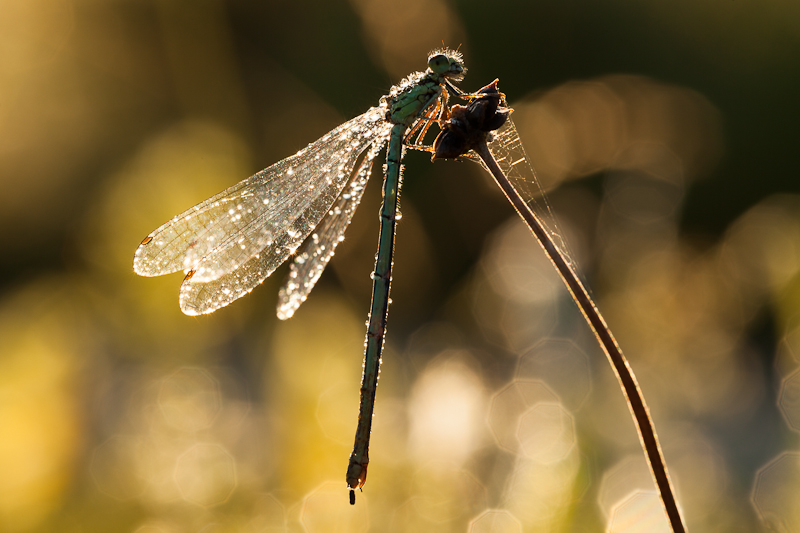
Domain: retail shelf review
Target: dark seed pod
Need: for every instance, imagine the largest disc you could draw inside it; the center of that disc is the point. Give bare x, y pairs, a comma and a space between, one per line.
470, 125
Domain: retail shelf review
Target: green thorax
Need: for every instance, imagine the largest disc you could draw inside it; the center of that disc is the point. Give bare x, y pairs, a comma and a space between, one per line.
411, 97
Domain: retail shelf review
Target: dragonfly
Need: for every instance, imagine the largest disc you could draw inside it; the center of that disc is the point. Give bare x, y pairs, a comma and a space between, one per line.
231, 242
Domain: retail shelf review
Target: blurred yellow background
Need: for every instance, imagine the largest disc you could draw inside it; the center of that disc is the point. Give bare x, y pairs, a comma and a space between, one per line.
666, 134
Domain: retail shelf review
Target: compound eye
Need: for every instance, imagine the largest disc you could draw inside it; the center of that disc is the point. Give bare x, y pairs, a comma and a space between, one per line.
439, 63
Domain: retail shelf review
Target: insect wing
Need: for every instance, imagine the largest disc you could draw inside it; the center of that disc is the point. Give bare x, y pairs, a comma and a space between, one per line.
507, 149
308, 265
258, 222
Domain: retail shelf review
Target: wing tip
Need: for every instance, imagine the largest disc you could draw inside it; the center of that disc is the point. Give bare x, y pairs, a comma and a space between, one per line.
139, 263
285, 314
139, 268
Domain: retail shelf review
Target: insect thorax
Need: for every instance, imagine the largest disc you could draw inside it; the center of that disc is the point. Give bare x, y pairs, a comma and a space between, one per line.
411, 96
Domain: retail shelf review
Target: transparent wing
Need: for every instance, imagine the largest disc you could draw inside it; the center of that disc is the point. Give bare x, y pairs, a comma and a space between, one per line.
308, 265
205, 297
507, 149
268, 214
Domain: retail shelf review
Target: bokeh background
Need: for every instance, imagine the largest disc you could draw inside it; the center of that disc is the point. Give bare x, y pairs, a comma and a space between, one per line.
666, 133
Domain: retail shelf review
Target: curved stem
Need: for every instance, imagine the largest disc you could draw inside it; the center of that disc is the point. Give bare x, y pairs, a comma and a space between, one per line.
641, 414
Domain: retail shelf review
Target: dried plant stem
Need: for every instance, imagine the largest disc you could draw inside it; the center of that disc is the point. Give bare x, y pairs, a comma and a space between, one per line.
627, 380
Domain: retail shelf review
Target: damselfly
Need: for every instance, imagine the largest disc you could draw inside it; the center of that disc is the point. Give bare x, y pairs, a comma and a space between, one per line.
230, 243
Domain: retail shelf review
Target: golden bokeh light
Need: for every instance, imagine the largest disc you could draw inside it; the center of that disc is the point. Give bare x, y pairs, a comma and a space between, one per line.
619, 122
639, 512
665, 136
446, 413
495, 521
774, 493
43, 343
